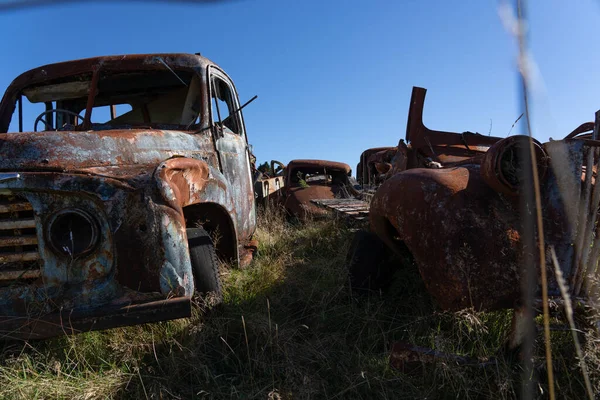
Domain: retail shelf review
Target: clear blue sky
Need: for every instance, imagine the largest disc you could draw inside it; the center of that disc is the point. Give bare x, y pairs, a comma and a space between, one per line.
334, 77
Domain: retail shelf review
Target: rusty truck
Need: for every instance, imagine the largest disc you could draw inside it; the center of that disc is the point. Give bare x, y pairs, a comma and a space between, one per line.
452, 203
118, 198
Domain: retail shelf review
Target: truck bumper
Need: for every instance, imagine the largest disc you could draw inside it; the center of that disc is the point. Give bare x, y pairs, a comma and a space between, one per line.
69, 322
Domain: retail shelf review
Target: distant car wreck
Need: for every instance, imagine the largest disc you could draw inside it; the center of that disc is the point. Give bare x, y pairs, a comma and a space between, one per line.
309, 180
450, 201
107, 221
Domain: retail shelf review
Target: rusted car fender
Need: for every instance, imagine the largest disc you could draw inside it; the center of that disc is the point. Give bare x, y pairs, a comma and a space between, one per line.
461, 224
185, 182
461, 233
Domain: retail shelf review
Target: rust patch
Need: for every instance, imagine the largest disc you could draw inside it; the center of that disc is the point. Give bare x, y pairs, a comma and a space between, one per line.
186, 178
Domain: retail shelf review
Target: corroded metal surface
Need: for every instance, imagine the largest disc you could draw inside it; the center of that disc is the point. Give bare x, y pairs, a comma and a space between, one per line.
70, 322
424, 147
463, 236
460, 217
318, 164
355, 209
138, 184
440, 146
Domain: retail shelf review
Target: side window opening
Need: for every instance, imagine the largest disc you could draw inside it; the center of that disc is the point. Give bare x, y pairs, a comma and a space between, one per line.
223, 104
30, 113
49, 120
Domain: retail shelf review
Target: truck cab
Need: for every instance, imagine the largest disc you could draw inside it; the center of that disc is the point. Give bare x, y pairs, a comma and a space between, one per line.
115, 205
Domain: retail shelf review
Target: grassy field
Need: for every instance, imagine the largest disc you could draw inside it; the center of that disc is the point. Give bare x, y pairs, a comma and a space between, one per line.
291, 328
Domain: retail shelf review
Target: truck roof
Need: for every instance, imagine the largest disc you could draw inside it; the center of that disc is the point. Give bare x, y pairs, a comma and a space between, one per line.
131, 62
319, 164
116, 62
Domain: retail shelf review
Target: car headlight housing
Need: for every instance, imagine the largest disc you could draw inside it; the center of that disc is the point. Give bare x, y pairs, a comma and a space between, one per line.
72, 232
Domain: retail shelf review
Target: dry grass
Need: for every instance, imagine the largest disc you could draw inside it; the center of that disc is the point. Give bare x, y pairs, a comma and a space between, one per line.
291, 328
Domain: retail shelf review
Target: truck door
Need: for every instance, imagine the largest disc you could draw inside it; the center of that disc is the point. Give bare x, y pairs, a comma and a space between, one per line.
232, 148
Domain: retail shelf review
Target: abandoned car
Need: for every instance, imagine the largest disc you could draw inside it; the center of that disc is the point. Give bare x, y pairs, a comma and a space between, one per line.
451, 203
309, 180
111, 200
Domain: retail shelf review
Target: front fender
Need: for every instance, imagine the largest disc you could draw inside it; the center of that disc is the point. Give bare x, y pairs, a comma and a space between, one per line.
463, 235
186, 181
182, 182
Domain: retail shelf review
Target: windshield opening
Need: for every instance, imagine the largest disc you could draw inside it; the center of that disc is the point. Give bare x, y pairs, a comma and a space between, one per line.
300, 177
159, 99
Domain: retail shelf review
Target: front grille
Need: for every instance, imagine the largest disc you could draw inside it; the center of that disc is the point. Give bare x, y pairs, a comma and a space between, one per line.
19, 255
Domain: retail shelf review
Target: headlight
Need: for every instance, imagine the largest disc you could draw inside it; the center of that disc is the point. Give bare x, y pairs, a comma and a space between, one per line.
72, 232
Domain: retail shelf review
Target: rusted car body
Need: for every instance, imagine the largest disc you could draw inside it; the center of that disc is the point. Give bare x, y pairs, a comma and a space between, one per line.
307, 180
452, 202
94, 214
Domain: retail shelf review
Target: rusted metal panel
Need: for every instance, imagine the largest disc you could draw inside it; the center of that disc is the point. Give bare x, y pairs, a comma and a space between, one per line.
19, 224
64, 151
424, 148
24, 274
355, 209
441, 146
17, 241
307, 164
16, 257
69, 322
12, 207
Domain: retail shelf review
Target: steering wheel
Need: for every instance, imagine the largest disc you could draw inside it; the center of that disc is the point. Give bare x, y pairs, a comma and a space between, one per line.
40, 117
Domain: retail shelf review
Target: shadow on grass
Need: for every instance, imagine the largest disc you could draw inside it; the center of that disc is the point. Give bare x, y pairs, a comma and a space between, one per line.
289, 328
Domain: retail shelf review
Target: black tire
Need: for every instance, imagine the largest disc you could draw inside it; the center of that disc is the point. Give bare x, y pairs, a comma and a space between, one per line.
204, 263
368, 262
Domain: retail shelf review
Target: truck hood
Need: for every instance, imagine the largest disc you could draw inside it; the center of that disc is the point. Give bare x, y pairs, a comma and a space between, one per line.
63, 151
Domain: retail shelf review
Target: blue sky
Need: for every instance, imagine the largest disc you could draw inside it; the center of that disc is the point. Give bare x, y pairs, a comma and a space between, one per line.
334, 77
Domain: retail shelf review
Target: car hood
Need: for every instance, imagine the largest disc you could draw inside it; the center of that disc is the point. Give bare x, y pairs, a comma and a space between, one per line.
63, 151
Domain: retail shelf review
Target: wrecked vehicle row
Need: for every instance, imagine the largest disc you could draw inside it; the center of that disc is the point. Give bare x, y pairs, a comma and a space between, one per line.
297, 186
117, 221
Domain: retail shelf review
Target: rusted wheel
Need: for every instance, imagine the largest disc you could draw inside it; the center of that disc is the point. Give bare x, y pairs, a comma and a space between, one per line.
204, 263
368, 262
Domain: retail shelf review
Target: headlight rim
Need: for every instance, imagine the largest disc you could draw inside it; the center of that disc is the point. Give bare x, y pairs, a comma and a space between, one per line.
86, 215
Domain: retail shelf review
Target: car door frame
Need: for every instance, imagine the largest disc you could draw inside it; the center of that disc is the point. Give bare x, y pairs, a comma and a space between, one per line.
225, 141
